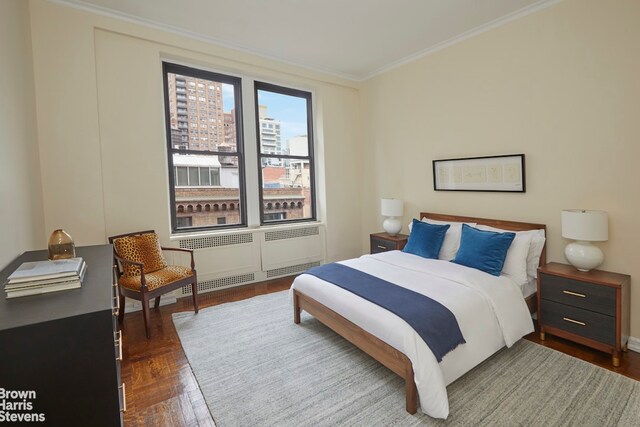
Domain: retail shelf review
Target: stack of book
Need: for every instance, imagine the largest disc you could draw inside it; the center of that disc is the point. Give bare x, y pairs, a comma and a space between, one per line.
39, 277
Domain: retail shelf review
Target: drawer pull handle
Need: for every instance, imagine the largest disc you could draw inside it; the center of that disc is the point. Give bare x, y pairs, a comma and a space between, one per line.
575, 294
116, 305
118, 342
382, 247
124, 398
577, 322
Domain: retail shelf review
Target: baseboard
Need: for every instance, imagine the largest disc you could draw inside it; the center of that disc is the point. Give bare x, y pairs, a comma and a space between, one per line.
634, 344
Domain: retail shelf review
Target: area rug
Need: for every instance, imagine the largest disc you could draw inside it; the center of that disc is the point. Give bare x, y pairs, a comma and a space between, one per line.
255, 367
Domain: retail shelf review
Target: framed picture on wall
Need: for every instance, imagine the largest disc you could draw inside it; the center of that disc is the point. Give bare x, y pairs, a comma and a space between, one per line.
491, 173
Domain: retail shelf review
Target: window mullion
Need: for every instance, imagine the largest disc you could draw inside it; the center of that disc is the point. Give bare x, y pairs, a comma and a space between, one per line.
251, 158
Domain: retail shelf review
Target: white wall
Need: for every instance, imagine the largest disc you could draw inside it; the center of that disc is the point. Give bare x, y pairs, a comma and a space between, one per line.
560, 86
99, 86
20, 188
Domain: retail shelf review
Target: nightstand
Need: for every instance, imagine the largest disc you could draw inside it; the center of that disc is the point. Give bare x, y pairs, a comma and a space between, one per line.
591, 308
382, 242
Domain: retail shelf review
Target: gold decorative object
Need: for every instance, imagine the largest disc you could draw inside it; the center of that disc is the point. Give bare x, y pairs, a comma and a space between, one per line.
61, 245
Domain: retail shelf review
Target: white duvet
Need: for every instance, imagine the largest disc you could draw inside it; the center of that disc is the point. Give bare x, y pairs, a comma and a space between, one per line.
490, 311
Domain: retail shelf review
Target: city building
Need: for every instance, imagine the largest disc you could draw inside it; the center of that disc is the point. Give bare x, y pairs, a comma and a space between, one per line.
207, 192
270, 141
229, 123
195, 108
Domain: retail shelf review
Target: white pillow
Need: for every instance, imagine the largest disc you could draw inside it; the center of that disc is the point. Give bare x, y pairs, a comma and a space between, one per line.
451, 242
533, 259
515, 264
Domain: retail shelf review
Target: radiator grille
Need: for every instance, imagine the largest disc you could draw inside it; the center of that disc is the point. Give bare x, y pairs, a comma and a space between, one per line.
291, 234
223, 282
215, 241
287, 271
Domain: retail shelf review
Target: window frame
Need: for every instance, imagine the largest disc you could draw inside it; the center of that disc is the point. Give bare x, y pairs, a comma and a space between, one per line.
169, 67
259, 85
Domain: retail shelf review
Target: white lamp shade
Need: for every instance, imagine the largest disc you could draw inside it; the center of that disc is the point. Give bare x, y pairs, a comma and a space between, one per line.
588, 226
392, 207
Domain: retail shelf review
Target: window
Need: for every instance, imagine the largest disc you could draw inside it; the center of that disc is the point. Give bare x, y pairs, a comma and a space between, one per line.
191, 176
199, 175
184, 221
205, 152
205, 178
182, 178
285, 156
275, 216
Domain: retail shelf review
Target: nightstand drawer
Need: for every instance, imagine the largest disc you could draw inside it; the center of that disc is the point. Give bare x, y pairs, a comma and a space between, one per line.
381, 245
598, 298
585, 323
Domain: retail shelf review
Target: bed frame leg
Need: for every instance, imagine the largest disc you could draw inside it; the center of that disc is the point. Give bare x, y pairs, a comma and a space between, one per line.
411, 390
296, 308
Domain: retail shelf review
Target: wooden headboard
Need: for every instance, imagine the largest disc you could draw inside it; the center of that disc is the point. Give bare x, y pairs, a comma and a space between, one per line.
532, 300
498, 223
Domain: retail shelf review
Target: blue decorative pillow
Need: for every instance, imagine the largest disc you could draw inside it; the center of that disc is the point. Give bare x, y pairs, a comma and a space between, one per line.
483, 250
425, 239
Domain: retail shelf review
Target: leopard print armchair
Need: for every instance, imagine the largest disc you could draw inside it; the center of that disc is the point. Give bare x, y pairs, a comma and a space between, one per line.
143, 273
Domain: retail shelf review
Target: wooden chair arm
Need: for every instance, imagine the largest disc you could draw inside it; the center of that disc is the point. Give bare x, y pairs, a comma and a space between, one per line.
143, 282
189, 251
165, 248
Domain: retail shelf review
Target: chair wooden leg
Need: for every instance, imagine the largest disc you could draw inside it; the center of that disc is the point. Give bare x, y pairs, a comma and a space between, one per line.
194, 295
121, 311
145, 313
157, 303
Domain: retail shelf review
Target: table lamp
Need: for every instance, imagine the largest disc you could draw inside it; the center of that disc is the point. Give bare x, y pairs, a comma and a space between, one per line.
392, 209
585, 227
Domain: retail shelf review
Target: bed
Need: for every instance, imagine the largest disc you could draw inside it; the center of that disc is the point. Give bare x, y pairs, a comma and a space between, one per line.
492, 312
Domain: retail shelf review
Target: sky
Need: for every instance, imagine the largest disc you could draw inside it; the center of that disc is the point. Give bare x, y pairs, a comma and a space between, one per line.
291, 111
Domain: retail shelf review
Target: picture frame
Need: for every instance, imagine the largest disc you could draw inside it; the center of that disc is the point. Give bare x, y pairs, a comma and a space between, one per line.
504, 173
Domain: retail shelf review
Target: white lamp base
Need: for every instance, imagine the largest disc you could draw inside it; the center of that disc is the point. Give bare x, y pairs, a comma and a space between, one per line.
392, 225
583, 255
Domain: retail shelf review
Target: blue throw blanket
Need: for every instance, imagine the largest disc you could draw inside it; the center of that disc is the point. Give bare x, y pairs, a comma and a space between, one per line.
434, 322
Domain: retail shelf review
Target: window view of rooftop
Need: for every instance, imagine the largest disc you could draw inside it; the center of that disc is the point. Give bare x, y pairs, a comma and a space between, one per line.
284, 153
204, 150
205, 147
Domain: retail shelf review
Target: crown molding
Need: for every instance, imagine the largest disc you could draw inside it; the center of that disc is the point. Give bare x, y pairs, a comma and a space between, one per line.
111, 13
533, 8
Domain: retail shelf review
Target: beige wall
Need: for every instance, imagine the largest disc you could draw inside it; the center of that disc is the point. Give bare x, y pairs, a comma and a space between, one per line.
20, 189
560, 86
100, 103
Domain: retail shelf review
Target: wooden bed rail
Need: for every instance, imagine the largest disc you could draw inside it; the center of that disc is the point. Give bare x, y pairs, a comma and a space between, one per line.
390, 357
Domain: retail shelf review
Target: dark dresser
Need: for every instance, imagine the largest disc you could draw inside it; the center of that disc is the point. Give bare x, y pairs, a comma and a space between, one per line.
62, 349
591, 308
